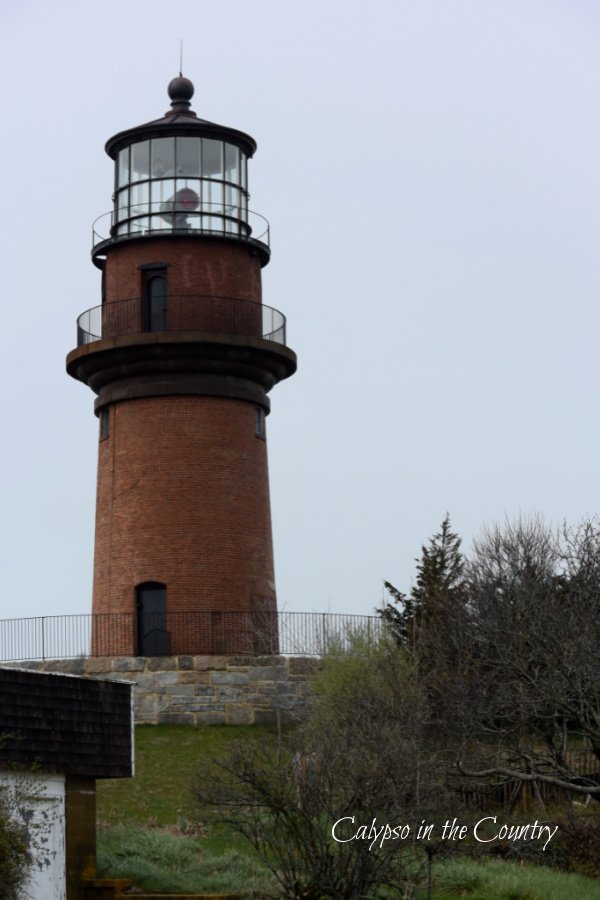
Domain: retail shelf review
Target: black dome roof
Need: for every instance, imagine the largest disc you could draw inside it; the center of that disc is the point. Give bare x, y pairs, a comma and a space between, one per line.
180, 121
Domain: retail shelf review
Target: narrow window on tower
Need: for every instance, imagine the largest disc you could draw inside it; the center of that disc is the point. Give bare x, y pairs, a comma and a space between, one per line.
104, 423
259, 422
154, 298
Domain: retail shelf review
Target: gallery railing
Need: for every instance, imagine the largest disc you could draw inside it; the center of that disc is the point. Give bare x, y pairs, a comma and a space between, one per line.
205, 218
191, 312
193, 633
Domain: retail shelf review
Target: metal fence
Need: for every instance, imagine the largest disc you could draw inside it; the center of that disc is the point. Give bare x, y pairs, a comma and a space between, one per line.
190, 633
208, 219
190, 312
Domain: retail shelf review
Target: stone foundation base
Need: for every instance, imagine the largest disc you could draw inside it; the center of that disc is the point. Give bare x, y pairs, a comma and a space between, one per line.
202, 690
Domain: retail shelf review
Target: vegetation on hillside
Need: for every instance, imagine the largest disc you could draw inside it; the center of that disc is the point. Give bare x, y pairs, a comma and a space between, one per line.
366, 751
488, 672
137, 845
508, 641
160, 860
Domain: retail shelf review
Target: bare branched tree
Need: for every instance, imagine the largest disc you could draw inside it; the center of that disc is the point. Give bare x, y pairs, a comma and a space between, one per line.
368, 756
534, 633
508, 648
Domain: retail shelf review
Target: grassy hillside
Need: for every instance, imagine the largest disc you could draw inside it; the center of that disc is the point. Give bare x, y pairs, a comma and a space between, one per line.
147, 832
166, 757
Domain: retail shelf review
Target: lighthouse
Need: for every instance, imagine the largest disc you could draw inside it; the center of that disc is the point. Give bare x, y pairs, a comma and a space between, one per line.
181, 354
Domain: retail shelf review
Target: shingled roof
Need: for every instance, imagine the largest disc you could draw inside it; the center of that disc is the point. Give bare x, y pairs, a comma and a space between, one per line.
66, 724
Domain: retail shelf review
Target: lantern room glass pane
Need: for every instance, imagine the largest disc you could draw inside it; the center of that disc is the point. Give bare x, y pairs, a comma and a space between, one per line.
141, 225
140, 160
122, 204
123, 167
232, 200
139, 195
162, 192
162, 203
186, 194
232, 163
212, 158
186, 203
214, 196
188, 155
163, 157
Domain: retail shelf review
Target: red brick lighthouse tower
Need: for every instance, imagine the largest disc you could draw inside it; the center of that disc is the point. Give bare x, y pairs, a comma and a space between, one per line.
181, 354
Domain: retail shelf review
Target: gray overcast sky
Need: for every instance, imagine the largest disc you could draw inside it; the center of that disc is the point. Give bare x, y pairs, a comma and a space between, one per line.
430, 171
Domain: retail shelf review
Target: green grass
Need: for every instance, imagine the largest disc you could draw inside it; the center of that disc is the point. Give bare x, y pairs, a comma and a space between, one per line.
166, 760
143, 821
496, 880
160, 861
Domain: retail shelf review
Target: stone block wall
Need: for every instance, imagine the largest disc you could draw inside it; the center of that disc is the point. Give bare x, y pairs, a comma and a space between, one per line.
203, 690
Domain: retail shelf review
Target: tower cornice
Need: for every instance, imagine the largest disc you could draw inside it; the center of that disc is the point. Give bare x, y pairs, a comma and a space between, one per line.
260, 361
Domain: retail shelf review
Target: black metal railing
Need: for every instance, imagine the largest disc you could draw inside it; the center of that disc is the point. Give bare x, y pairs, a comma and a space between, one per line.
191, 633
158, 219
189, 312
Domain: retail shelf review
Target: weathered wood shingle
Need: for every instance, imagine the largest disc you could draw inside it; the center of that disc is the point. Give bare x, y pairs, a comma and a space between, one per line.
75, 726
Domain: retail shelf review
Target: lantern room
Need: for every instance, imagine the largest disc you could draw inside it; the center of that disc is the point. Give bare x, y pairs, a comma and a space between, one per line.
182, 175
181, 184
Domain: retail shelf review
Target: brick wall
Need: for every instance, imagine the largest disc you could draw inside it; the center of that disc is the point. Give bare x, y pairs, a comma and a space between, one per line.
220, 267
183, 492
183, 499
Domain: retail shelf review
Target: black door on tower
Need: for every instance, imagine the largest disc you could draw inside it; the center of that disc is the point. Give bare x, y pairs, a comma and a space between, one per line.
152, 635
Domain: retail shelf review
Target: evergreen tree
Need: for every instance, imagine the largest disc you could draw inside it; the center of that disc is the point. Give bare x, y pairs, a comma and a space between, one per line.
438, 595
430, 622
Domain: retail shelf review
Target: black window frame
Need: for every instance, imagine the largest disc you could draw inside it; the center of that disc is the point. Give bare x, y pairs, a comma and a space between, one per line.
104, 417
154, 308
260, 422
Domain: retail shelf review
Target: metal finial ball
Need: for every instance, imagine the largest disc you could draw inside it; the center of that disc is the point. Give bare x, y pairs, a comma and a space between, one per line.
180, 89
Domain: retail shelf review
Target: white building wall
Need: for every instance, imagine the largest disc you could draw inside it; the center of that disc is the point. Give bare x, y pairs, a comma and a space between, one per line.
38, 802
